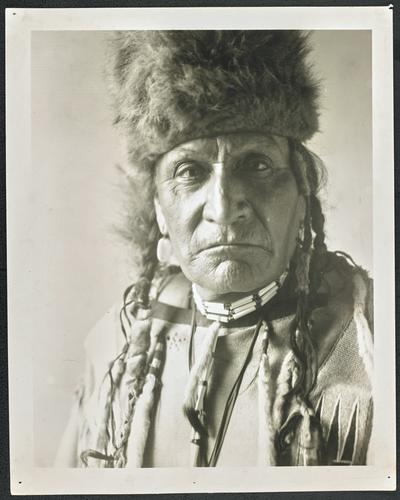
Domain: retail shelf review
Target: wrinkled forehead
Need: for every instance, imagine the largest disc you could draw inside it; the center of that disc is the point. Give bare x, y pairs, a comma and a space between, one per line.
224, 147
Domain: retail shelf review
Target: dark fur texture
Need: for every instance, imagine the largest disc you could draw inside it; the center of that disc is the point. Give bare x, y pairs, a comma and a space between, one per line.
173, 86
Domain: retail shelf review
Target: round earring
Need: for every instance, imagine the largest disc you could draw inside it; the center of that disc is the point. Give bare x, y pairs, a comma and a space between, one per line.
164, 249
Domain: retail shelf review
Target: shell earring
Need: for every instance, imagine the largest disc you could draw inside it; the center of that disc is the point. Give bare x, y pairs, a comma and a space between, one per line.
164, 249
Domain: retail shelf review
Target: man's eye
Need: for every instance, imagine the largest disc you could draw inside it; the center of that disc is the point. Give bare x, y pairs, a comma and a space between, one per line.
189, 171
257, 164
260, 166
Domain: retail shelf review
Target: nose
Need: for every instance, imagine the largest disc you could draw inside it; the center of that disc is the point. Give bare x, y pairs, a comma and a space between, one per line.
226, 198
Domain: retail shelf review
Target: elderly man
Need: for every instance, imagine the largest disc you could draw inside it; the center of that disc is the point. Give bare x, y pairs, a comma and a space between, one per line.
244, 341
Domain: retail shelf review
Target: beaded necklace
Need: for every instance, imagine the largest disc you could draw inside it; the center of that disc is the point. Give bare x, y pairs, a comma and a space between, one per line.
225, 312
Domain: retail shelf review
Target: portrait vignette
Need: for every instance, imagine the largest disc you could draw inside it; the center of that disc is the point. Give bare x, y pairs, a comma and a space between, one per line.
56, 267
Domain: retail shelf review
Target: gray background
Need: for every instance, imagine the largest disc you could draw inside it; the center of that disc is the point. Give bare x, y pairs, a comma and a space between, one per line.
80, 269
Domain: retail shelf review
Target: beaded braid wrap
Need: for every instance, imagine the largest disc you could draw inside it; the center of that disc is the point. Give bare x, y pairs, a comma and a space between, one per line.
136, 359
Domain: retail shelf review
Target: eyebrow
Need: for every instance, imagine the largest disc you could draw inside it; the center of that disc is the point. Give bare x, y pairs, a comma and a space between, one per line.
196, 152
185, 149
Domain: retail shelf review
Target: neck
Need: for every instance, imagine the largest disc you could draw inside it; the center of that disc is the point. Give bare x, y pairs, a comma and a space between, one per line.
212, 296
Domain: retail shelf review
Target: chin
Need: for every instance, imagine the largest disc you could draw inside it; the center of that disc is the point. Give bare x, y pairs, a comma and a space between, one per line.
232, 276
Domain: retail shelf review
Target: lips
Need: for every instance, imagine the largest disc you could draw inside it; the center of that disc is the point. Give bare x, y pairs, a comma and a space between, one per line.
245, 238
232, 246
229, 245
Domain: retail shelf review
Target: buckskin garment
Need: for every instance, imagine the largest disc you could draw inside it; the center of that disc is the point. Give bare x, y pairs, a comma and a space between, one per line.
342, 395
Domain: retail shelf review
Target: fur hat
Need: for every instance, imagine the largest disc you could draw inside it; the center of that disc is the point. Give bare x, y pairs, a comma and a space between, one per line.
173, 86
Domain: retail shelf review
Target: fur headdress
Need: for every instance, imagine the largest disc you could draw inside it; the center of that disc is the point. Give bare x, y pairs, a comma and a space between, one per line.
173, 86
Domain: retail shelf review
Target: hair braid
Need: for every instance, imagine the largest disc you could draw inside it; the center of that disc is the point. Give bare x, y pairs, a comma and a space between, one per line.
320, 253
300, 338
303, 368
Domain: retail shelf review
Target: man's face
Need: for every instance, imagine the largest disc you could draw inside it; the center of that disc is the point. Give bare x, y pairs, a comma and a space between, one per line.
231, 208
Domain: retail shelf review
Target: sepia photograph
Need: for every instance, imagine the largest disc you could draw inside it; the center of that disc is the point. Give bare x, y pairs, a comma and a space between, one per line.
195, 280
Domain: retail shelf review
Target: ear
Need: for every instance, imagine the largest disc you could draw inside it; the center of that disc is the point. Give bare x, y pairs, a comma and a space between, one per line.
160, 218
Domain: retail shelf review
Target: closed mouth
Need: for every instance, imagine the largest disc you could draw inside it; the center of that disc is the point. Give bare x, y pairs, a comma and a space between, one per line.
227, 246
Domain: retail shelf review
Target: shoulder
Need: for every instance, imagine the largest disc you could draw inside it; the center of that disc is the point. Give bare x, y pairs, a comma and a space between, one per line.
106, 339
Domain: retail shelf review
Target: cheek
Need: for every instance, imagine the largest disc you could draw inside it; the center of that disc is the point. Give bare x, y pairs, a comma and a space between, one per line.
180, 218
282, 214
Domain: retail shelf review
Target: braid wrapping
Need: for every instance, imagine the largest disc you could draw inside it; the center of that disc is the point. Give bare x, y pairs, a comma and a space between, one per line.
284, 384
112, 379
140, 418
136, 362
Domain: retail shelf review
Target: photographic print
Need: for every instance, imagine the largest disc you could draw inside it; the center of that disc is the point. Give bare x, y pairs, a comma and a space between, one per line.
198, 281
